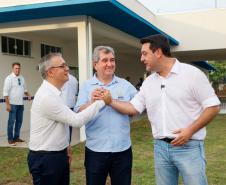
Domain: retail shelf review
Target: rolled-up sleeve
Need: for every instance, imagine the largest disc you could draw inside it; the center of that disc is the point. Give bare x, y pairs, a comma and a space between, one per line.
139, 101
204, 92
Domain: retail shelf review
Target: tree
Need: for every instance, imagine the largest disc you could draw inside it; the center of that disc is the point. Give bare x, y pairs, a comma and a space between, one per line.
218, 76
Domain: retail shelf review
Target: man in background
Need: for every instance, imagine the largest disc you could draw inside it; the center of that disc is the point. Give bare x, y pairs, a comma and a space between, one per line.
69, 93
13, 91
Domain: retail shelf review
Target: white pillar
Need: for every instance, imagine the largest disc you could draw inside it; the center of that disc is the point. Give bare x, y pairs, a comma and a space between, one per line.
84, 57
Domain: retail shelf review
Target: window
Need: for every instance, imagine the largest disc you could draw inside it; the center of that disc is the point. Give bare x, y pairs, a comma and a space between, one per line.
46, 49
16, 46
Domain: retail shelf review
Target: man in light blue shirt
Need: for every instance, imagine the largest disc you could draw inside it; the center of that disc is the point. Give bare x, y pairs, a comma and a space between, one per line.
108, 144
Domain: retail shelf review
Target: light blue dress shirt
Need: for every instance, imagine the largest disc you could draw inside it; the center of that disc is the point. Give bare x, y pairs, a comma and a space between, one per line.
109, 131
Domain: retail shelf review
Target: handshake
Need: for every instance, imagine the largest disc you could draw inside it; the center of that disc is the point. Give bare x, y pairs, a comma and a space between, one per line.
101, 94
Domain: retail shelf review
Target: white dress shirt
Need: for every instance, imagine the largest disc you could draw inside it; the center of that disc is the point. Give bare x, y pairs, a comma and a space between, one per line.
175, 101
69, 91
49, 114
14, 88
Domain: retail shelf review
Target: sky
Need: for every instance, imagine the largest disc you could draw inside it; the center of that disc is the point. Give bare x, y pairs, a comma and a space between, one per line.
171, 6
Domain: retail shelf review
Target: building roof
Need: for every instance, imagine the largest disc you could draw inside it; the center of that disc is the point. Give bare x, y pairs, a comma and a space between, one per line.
204, 65
110, 12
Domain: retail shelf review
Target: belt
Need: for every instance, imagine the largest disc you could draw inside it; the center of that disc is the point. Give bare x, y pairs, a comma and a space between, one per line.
168, 140
48, 152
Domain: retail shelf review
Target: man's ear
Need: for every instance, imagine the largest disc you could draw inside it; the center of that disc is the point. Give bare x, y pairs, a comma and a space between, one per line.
158, 53
94, 65
49, 73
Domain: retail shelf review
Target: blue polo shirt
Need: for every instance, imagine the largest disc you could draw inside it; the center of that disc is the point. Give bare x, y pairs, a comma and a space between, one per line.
109, 131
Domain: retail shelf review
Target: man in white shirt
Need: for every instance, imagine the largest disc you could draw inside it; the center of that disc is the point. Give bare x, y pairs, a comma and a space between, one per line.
180, 102
69, 93
13, 92
49, 156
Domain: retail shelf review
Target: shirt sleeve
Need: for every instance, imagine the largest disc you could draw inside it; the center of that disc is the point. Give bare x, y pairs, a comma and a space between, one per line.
83, 97
57, 111
76, 87
132, 90
73, 84
203, 91
139, 101
6, 87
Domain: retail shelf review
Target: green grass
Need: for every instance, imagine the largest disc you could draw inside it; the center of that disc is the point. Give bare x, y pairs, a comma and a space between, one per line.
14, 169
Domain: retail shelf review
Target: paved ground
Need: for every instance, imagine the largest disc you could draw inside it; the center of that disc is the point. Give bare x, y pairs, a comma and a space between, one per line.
223, 111
24, 136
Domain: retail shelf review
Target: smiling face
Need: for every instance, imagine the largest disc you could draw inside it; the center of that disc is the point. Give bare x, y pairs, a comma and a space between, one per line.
105, 66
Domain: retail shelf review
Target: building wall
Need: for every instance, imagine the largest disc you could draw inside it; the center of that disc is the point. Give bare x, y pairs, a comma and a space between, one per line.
197, 30
130, 66
201, 34
28, 65
201, 30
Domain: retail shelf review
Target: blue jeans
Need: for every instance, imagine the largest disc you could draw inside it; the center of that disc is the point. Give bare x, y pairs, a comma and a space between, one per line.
187, 160
15, 121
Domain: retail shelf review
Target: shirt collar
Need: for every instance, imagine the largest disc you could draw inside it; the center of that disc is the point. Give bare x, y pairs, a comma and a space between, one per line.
51, 87
13, 74
176, 67
96, 81
174, 70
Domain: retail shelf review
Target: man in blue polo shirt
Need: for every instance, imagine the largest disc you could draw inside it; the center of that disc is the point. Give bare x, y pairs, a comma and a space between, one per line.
108, 145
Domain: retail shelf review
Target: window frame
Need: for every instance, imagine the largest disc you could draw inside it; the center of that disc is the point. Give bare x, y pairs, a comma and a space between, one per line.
44, 46
12, 49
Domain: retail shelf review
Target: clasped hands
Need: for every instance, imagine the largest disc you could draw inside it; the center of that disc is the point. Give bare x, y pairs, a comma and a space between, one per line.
101, 94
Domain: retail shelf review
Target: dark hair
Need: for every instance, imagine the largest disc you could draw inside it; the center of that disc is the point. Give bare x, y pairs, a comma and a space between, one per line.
158, 41
15, 64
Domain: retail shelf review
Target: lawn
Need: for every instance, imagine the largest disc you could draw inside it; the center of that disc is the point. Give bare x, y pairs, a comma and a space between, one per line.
14, 169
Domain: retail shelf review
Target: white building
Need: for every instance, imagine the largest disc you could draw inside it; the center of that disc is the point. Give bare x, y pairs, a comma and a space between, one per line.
31, 28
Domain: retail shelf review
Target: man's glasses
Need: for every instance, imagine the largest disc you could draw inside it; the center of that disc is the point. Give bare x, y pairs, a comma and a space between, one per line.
19, 81
62, 66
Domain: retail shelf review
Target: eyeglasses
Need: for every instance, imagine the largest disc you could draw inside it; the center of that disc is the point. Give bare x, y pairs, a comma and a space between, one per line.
19, 81
62, 66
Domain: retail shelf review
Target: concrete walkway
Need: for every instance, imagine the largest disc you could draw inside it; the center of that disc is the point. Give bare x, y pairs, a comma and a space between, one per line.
223, 111
24, 136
